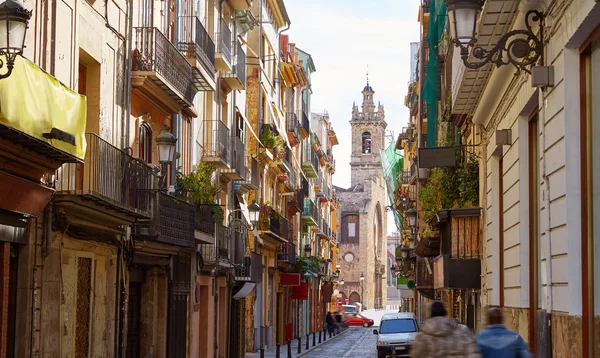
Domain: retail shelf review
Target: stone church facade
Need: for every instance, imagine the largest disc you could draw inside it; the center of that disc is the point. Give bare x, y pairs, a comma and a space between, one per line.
363, 221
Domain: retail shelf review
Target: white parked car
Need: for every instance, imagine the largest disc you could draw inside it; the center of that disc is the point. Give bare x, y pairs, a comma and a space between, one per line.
396, 332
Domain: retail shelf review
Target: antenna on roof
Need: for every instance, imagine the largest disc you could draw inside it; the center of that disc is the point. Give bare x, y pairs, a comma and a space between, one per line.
367, 74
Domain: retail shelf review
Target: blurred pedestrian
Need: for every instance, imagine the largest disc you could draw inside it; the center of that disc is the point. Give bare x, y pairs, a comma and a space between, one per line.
497, 341
442, 336
330, 322
338, 321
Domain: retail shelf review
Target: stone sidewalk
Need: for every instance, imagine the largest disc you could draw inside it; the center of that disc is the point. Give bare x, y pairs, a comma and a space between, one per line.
283, 350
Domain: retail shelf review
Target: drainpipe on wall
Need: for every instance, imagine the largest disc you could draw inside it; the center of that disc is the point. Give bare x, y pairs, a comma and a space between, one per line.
214, 273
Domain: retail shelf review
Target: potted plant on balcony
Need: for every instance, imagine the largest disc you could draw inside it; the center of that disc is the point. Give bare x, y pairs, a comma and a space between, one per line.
273, 142
265, 213
198, 188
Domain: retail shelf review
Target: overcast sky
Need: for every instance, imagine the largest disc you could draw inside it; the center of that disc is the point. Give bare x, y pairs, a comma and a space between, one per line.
343, 37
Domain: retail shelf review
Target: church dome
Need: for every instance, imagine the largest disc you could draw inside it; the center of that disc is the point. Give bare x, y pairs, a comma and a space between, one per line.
368, 88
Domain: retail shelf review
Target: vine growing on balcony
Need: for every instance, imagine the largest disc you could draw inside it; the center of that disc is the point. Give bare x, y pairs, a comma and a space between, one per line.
199, 188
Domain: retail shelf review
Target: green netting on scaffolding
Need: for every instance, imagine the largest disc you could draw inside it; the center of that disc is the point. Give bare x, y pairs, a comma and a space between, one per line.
432, 89
393, 164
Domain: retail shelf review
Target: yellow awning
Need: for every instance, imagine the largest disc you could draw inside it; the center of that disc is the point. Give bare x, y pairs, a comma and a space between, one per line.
288, 74
33, 102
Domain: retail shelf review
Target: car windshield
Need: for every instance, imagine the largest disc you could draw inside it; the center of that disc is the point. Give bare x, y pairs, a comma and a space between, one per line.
397, 326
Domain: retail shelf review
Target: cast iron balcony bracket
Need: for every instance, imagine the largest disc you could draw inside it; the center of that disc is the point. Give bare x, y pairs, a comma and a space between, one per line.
520, 51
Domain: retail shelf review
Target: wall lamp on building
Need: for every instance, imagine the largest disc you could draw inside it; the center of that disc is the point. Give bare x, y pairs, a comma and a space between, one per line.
341, 281
521, 48
237, 224
14, 20
165, 142
411, 214
307, 250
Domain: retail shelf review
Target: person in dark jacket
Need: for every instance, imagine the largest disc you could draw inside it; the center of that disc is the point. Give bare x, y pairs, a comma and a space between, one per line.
497, 341
330, 322
338, 320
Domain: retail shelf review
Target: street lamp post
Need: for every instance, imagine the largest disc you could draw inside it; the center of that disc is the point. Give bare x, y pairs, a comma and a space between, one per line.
14, 20
362, 288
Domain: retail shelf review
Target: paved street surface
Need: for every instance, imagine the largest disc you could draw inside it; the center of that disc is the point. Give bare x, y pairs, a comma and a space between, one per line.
357, 342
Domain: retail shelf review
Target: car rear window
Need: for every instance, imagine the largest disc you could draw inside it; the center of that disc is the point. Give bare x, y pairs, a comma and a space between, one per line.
397, 326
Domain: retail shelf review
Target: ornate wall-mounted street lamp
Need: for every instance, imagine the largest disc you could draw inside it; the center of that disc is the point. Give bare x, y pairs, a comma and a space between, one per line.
165, 142
521, 48
411, 215
14, 20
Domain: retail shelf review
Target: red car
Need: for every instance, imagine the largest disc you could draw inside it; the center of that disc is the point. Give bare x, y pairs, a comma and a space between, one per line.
354, 319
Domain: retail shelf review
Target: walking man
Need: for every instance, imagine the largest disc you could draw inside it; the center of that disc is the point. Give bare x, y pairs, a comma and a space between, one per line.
497, 341
442, 336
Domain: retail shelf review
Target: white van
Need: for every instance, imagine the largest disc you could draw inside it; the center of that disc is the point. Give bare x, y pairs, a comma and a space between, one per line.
396, 332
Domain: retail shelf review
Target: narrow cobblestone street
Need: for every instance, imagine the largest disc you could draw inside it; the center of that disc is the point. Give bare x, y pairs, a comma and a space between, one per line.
357, 342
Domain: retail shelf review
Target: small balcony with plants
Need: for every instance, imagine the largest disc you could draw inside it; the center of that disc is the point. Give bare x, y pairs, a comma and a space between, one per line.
287, 182
273, 144
286, 253
160, 71
296, 203
236, 78
272, 224
223, 61
199, 49
216, 148
198, 189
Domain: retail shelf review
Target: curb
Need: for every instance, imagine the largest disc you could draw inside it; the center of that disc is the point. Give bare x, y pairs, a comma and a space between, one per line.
324, 343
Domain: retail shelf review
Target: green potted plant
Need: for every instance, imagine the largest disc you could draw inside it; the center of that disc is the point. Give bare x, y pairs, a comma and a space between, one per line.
198, 188
265, 213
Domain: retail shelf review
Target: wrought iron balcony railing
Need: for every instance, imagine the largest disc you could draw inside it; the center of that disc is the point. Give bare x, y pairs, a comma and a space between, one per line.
172, 222
305, 186
305, 128
251, 270
109, 177
224, 40
293, 127
217, 143
219, 251
310, 162
204, 219
310, 212
286, 253
279, 226
238, 160
197, 46
154, 53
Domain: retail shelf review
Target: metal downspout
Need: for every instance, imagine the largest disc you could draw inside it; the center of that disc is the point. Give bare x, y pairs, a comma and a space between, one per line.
128, 59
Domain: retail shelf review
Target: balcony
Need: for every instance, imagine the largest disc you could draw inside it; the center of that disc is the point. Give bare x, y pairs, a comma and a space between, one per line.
240, 4
223, 54
108, 185
172, 222
251, 270
286, 253
305, 128
276, 226
251, 180
309, 214
296, 204
205, 226
456, 273
293, 128
217, 144
236, 79
310, 162
237, 171
288, 182
305, 186
199, 49
318, 184
218, 252
325, 194
160, 71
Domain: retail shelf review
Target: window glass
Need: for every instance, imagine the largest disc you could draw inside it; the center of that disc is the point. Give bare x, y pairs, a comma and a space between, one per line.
397, 326
351, 229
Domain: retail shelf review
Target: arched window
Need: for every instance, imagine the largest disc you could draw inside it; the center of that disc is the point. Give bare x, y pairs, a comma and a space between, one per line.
145, 143
366, 143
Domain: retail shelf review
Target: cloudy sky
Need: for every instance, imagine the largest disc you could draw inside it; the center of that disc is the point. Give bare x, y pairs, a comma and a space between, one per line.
343, 37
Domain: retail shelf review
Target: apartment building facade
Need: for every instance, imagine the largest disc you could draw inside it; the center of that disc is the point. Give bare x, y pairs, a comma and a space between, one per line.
530, 140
